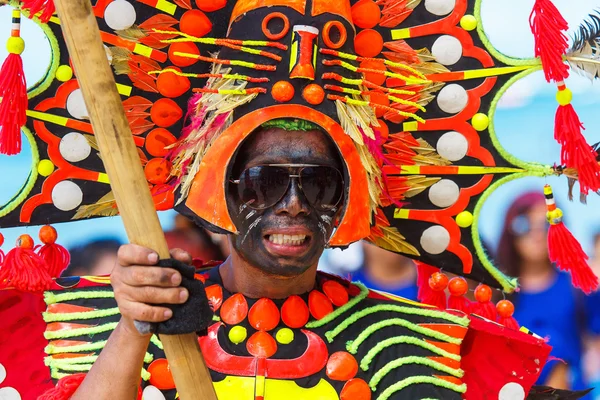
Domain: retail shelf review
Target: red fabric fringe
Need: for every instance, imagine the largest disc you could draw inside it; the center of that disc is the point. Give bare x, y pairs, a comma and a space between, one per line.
56, 257
46, 7
486, 309
65, 388
13, 91
548, 26
566, 252
424, 271
575, 152
25, 270
460, 303
436, 299
509, 322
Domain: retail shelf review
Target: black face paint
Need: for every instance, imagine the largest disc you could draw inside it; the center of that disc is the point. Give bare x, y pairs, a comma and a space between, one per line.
289, 237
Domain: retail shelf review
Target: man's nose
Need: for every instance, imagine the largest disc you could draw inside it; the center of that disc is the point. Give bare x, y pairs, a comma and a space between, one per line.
294, 202
303, 52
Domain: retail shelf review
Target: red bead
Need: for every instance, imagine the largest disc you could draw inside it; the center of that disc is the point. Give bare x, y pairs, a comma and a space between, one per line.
356, 389
48, 234
438, 282
458, 286
264, 315
234, 309
214, 293
319, 304
336, 293
1, 239
341, 366
261, 345
505, 308
483, 293
294, 312
160, 374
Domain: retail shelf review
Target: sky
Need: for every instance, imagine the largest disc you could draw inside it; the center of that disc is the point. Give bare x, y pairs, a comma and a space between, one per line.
524, 124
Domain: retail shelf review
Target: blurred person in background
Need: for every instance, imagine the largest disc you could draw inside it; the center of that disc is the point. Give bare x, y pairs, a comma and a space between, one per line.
546, 303
592, 356
93, 259
198, 242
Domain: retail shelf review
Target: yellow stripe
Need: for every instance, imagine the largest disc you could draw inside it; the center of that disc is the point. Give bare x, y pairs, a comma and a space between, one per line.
98, 279
142, 50
55, 20
410, 170
124, 90
469, 170
55, 119
400, 33
403, 300
16, 13
410, 126
260, 386
103, 178
401, 213
166, 6
485, 72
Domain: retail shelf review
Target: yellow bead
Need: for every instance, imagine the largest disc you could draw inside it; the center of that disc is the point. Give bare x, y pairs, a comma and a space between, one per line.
555, 216
15, 45
45, 167
468, 22
480, 121
464, 219
237, 334
285, 336
64, 73
564, 97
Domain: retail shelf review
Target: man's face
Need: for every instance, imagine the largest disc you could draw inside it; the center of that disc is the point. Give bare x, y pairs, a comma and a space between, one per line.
289, 237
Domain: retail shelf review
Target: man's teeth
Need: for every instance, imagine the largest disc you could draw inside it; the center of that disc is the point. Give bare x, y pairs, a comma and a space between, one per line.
291, 240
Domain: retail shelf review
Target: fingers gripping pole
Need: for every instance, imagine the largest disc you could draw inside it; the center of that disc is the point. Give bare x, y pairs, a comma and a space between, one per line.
128, 182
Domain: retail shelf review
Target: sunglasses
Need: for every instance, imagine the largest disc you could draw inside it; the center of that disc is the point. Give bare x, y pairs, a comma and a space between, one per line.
264, 186
521, 226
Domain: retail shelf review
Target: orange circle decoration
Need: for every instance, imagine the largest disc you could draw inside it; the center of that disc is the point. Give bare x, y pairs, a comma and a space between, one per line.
356, 389
184, 47
165, 112
283, 91
158, 170
438, 282
234, 309
264, 315
25, 242
327, 34
313, 94
374, 77
319, 304
368, 43
505, 308
157, 141
170, 84
381, 99
294, 312
336, 293
458, 286
211, 5
341, 366
195, 23
214, 294
483, 293
160, 374
261, 345
48, 234
275, 36
366, 14
383, 129
163, 197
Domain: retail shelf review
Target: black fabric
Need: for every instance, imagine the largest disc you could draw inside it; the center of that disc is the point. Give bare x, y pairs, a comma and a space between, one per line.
548, 393
195, 315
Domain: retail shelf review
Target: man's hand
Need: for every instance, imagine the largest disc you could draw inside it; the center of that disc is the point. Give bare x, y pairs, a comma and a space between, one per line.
139, 285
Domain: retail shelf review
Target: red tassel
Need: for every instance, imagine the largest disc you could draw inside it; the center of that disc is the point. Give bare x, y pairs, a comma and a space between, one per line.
565, 251
56, 256
548, 26
2, 255
436, 296
458, 287
23, 269
506, 309
65, 388
46, 7
424, 272
484, 306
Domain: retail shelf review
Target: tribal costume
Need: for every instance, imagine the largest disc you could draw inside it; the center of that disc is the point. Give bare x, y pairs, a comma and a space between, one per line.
407, 91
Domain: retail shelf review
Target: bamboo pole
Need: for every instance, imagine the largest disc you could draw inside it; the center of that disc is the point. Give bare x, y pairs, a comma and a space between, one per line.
127, 178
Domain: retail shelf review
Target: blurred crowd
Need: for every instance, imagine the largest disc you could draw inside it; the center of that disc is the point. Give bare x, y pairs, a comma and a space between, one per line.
546, 303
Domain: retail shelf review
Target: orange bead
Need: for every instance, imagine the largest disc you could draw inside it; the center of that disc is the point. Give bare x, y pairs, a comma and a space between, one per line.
160, 374
483, 293
368, 43
170, 84
158, 170
336, 293
282, 91
210, 5
383, 129
195, 23
1, 239
165, 112
458, 286
261, 345
438, 281
381, 99
185, 47
366, 14
214, 293
157, 141
294, 312
319, 304
373, 77
48, 234
234, 309
505, 308
264, 315
25, 242
313, 94
341, 366
356, 389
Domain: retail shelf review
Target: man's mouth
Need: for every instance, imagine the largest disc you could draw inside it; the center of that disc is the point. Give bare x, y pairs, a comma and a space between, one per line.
288, 242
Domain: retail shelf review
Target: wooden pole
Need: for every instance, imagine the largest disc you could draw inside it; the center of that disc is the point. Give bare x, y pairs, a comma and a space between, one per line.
127, 178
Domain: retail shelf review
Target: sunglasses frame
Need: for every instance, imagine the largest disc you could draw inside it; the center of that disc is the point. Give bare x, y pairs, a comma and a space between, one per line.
291, 176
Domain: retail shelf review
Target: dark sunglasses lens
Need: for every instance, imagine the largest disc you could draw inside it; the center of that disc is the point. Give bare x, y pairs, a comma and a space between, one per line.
263, 186
322, 186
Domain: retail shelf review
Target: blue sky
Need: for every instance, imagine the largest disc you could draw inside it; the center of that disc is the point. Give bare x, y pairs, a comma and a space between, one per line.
524, 125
